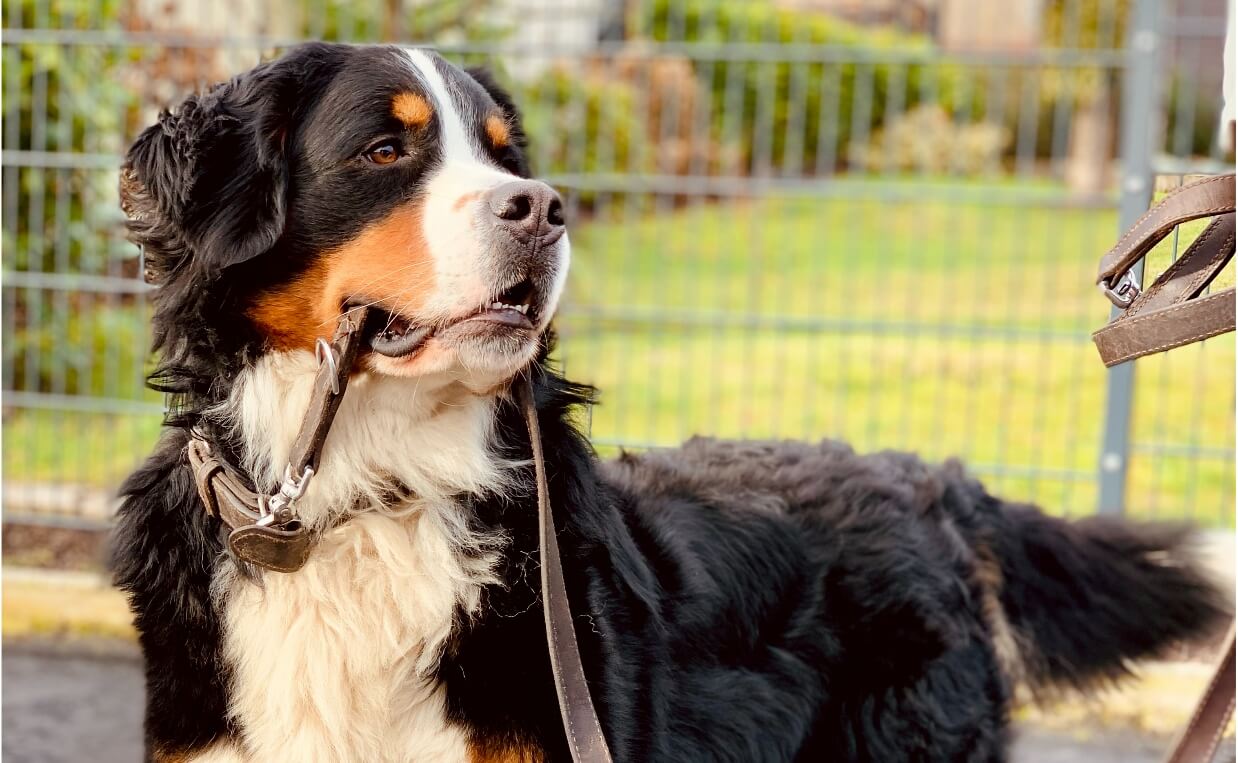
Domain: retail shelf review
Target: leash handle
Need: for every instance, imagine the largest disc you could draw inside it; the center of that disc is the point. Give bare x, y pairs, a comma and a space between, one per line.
1173, 311
585, 739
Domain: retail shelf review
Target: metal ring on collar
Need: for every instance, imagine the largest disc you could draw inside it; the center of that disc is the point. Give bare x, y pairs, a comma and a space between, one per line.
324, 353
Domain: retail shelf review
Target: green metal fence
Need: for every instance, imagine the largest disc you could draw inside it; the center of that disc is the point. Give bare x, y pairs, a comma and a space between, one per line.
787, 221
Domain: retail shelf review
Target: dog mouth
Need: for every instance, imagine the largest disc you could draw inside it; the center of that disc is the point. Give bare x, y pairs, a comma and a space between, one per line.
393, 335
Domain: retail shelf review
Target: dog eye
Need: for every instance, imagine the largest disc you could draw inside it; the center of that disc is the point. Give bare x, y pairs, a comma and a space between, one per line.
386, 152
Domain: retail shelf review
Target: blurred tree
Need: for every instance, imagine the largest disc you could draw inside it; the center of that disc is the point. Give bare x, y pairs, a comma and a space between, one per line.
1087, 25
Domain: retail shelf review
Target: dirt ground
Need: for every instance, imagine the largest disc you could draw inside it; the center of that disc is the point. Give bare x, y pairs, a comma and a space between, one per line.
85, 703
56, 548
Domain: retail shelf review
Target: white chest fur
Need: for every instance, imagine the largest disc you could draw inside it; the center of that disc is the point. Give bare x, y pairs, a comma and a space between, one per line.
337, 661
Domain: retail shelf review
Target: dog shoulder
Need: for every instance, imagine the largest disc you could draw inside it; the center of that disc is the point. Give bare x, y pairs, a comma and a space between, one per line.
163, 554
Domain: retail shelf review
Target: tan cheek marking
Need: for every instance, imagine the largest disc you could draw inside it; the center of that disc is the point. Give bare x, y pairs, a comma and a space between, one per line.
497, 130
286, 316
411, 109
388, 263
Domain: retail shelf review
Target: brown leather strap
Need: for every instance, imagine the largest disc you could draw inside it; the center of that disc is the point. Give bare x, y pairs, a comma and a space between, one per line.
223, 495
1171, 312
335, 366
1202, 736
283, 549
580, 720
1160, 330
264, 530
1202, 198
1194, 270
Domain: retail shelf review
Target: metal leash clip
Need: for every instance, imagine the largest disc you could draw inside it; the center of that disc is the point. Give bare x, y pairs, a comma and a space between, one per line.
279, 509
1124, 293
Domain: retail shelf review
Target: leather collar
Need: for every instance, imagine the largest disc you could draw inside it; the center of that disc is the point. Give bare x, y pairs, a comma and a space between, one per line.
264, 530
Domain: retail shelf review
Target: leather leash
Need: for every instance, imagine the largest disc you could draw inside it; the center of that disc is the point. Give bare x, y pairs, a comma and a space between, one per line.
1202, 735
1169, 314
1173, 311
580, 720
265, 531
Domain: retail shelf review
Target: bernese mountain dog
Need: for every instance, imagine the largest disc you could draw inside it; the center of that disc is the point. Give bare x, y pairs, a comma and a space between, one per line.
733, 601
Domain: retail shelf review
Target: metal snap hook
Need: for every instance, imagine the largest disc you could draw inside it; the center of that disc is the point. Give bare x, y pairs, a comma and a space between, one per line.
1124, 293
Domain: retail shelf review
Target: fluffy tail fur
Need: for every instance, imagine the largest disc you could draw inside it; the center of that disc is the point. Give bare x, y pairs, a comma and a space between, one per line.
1083, 598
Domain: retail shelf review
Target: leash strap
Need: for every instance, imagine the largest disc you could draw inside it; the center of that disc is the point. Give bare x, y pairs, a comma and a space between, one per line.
580, 720
1202, 736
264, 530
1172, 311
1201, 198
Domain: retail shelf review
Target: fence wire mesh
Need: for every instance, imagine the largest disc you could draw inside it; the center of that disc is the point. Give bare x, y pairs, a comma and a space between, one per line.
860, 219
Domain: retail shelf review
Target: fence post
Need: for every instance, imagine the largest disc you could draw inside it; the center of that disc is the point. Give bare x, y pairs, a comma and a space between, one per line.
1139, 106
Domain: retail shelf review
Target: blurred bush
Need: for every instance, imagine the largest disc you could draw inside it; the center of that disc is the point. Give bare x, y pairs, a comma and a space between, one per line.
594, 121
70, 101
925, 139
63, 99
774, 109
781, 117
97, 349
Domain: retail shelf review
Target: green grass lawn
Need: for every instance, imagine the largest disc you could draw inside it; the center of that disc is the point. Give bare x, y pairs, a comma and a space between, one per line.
949, 328
80, 448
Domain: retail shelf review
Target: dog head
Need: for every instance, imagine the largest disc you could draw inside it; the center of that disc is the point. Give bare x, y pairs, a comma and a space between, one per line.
339, 176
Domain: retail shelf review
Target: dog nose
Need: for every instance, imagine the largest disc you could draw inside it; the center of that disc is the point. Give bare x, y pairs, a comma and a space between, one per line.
528, 207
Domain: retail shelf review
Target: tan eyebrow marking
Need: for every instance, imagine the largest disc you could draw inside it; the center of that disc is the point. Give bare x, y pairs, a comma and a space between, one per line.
411, 109
497, 130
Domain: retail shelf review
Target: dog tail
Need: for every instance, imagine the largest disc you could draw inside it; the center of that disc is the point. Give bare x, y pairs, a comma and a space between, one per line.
1079, 600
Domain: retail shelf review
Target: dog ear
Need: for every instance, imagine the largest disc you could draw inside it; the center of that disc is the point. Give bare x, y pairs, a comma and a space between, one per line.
208, 183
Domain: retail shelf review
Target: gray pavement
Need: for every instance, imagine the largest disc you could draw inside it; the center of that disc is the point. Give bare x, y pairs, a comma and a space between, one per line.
63, 705
70, 706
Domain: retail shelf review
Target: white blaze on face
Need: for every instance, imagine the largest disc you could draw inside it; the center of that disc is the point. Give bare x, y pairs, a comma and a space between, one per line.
451, 227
